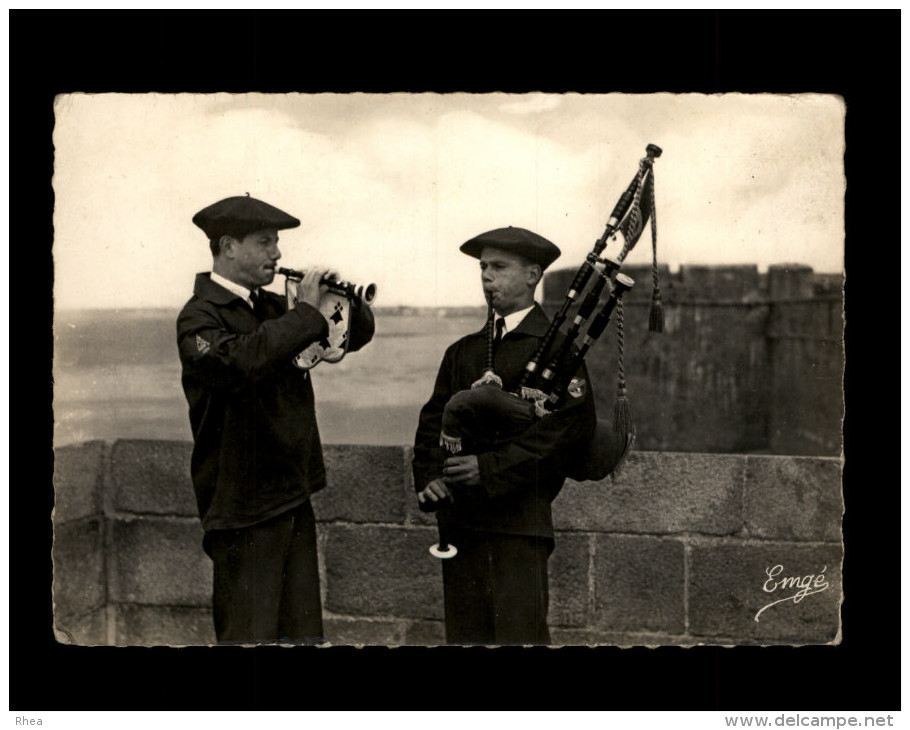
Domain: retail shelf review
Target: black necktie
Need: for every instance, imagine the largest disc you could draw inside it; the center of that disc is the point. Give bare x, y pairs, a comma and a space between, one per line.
259, 307
500, 326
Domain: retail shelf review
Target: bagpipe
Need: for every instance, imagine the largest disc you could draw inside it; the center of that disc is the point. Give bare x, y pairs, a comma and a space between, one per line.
486, 414
335, 305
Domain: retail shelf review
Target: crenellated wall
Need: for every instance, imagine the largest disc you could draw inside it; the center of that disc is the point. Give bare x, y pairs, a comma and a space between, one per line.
675, 550
747, 362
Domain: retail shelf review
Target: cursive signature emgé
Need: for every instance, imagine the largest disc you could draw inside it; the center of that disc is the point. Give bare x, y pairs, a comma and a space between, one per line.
806, 585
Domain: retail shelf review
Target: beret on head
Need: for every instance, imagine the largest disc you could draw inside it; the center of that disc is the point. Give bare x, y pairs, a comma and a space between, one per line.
515, 240
241, 215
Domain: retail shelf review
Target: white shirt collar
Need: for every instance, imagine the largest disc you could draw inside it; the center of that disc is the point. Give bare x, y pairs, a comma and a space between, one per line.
514, 319
240, 291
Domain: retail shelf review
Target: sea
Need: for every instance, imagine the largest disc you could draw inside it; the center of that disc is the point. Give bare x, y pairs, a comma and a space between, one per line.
117, 376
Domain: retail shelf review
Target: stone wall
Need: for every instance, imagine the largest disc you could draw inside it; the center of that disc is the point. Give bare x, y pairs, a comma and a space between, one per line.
675, 550
747, 362
80, 569
805, 345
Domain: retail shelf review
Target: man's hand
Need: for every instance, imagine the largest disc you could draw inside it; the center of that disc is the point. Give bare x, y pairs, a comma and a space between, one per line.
311, 288
432, 496
462, 470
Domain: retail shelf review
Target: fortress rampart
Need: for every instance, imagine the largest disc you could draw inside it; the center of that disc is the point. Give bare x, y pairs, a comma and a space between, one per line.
681, 548
747, 362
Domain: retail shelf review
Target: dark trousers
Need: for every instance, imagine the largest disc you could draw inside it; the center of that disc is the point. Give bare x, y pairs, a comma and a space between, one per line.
496, 589
266, 580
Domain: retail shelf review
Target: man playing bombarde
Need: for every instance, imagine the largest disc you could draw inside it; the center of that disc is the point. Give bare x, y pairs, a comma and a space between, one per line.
257, 457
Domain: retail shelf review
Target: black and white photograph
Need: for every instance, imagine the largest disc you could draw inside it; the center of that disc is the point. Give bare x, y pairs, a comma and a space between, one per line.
454, 366
648, 454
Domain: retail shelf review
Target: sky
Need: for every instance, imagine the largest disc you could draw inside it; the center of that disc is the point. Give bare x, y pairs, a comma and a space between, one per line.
388, 186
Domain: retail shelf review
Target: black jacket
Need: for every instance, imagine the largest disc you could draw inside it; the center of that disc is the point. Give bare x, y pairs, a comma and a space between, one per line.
256, 447
520, 478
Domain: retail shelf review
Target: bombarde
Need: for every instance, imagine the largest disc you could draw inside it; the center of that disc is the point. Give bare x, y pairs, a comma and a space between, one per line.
366, 293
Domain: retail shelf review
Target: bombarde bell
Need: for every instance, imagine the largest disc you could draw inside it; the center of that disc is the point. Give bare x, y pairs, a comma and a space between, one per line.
471, 416
335, 306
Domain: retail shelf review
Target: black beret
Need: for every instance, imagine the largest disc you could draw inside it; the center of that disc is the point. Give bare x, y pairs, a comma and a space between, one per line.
241, 215
515, 240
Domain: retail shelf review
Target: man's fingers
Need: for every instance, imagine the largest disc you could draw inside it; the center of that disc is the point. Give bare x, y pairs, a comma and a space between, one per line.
324, 274
454, 468
436, 491
314, 275
433, 492
308, 290
439, 490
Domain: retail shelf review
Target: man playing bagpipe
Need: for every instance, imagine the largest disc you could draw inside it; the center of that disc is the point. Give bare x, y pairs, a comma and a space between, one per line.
493, 484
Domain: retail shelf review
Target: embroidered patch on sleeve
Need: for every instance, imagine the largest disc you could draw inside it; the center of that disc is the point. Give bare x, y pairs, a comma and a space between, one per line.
577, 387
202, 344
